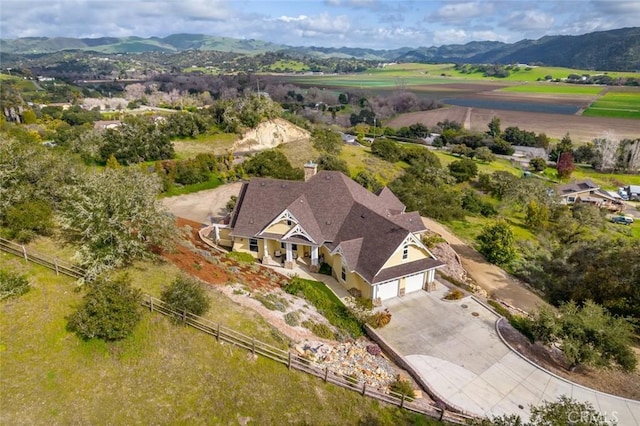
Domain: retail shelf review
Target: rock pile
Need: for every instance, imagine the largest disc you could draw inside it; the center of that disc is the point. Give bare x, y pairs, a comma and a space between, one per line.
350, 359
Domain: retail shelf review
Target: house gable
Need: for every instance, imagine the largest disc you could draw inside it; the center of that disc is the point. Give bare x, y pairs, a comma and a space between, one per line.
410, 250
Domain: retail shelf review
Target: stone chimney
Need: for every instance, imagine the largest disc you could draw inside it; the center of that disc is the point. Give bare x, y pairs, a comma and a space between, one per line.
310, 170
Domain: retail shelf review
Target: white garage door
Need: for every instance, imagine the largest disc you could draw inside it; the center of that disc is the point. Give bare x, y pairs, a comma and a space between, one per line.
387, 290
413, 283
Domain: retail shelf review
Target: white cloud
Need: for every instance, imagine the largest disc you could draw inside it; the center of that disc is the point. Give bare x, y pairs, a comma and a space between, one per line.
457, 12
529, 20
450, 36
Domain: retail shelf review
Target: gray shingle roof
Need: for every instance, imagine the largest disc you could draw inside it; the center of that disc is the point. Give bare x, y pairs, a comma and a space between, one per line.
576, 187
335, 211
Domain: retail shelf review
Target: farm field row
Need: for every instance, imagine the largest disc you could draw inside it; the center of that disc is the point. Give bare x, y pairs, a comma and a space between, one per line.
616, 103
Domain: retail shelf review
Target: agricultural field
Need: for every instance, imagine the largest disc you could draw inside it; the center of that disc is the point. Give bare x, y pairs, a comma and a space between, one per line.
555, 89
618, 103
582, 129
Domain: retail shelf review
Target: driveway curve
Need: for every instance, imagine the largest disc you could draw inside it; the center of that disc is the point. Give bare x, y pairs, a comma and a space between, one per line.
454, 347
491, 278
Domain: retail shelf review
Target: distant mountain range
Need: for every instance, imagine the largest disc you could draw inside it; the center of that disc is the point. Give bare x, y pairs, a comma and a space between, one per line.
615, 50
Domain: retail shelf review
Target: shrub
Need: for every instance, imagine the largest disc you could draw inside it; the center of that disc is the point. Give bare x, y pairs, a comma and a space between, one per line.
325, 269
110, 310
431, 240
292, 318
186, 294
13, 284
272, 302
27, 219
319, 329
374, 349
403, 387
241, 257
379, 319
454, 294
464, 169
538, 164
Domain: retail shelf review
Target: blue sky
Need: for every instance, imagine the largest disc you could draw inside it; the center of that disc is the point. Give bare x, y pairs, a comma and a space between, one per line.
354, 23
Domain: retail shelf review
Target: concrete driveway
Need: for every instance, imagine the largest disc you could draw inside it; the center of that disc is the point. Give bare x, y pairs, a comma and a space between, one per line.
455, 349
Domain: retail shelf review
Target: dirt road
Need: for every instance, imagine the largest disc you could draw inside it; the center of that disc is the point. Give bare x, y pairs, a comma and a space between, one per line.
203, 206
493, 279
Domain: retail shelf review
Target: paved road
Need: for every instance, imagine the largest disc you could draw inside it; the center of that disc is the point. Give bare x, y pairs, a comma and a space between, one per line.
454, 347
491, 278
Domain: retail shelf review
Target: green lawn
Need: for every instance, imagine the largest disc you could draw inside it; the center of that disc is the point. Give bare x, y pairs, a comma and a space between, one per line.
608, 181
494, 166
162, 374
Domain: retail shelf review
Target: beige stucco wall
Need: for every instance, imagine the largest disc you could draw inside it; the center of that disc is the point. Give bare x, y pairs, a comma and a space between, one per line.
225, 239
280, 228
415, 253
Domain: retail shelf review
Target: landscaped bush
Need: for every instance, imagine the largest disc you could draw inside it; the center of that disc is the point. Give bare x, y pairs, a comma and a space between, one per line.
374, 349
327, 303
522, 324
325, 269
319, 329
13, 284
454, 294
379, 319
110, 310
272, 302
186, 294
403, 387
292, 318
241, 256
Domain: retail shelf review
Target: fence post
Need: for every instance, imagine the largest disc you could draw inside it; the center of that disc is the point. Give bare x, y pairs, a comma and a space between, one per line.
218, 333
151, 303
289, 362
184, 317
402, 402
326, 374
364, 388
253, 345
24, 252
56, 264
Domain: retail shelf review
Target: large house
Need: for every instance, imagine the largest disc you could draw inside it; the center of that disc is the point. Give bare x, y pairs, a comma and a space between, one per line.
372, 245
586, 191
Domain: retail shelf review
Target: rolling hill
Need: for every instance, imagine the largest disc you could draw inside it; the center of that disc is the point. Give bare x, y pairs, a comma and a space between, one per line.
615, 50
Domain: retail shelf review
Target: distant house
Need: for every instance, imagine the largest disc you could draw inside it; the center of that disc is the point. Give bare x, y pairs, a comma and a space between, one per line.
529, 152
586, 191
372, 246
107, 124
348, 139
633, 192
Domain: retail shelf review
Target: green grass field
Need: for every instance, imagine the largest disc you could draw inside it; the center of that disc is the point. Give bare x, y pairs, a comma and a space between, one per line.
617, 103
217, 144
554, 88
162, 374
421, 74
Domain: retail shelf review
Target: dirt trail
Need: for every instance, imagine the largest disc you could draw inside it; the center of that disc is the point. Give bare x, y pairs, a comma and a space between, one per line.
493, 279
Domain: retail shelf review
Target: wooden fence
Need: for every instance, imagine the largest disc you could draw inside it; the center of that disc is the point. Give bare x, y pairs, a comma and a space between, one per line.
60, 266
256, 347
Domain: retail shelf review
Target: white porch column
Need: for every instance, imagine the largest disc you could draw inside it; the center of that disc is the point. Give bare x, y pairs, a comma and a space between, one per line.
289, 257
217, 232
265, 246
431, 276
314, 255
